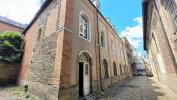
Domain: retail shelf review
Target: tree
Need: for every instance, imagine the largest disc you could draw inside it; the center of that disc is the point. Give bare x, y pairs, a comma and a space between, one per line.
11, 47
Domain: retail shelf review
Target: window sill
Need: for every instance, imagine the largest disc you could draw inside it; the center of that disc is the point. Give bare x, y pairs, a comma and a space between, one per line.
84, 38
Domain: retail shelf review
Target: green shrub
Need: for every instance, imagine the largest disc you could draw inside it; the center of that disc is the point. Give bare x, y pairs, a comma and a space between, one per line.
11, 47
100, 94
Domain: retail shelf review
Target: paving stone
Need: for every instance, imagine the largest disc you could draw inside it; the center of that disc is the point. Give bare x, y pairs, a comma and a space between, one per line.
139, 88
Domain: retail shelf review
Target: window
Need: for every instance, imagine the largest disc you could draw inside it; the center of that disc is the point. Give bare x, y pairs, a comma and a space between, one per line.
115, 69
120, 69
105, 69
84, 27
39, 33
102, 40
86, 69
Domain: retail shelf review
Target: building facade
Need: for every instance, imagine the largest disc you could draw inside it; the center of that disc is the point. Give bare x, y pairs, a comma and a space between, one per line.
7, 24
71, 51
160, 36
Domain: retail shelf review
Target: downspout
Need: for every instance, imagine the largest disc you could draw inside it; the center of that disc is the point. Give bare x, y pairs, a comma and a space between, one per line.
99, 50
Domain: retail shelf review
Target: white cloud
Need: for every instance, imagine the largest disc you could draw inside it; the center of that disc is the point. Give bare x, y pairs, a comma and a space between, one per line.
19, 10
134, 33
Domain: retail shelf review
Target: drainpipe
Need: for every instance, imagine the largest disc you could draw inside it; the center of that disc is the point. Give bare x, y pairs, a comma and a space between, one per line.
99, 50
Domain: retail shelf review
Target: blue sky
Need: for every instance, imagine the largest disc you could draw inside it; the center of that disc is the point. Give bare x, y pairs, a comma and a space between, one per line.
125, 14
121, 11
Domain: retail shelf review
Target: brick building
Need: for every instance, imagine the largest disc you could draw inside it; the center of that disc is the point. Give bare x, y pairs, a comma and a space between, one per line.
71, 50
7, 24
160, 39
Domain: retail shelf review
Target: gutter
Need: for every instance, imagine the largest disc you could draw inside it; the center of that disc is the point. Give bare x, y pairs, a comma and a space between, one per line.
145, 13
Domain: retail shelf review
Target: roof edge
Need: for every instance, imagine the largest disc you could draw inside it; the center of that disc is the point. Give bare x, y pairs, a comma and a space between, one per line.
145, 12
42, 8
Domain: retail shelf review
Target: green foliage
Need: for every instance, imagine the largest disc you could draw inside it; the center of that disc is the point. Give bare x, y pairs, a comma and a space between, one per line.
20, 94
11, 47
100, 94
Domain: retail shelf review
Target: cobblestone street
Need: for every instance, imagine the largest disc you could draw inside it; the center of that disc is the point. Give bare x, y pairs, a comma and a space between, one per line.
139, 88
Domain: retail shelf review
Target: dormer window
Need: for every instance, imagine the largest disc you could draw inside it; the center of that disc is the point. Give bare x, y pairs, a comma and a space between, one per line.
84, 28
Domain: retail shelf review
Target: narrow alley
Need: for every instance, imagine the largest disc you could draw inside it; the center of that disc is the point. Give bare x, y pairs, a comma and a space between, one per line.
140, 88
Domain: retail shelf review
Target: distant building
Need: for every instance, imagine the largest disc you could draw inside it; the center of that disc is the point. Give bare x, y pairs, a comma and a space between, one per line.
160, 39
7, 24
139, 66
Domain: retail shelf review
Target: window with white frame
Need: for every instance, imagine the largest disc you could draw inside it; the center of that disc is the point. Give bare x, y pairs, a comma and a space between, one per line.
84, 27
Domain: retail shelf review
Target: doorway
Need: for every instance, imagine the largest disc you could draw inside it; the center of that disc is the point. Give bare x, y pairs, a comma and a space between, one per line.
84, 76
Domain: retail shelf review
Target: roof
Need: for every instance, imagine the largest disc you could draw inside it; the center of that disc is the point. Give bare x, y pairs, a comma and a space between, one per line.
45, 5
12, 22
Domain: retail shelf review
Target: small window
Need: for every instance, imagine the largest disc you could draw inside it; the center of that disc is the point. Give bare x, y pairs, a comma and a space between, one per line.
39, 33
84, 27
102, 40
112, 47
86, 69
115, 69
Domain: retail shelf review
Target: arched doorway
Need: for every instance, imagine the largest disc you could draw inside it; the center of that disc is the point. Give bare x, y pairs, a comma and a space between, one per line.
84, 74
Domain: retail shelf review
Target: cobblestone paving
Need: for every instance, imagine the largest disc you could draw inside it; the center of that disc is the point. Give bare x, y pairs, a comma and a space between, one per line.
139, 88
136, 88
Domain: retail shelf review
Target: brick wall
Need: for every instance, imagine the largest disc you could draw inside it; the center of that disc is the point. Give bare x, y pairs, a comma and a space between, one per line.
8, 73
8, 27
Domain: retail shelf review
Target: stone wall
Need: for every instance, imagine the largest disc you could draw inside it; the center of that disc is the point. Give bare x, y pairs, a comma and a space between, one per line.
8, 73
43, 60
40, 79
160, 46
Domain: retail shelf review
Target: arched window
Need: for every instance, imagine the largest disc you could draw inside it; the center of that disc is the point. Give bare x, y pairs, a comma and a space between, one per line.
115, 69
84, 27
105, 69
112, 47
102, 40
